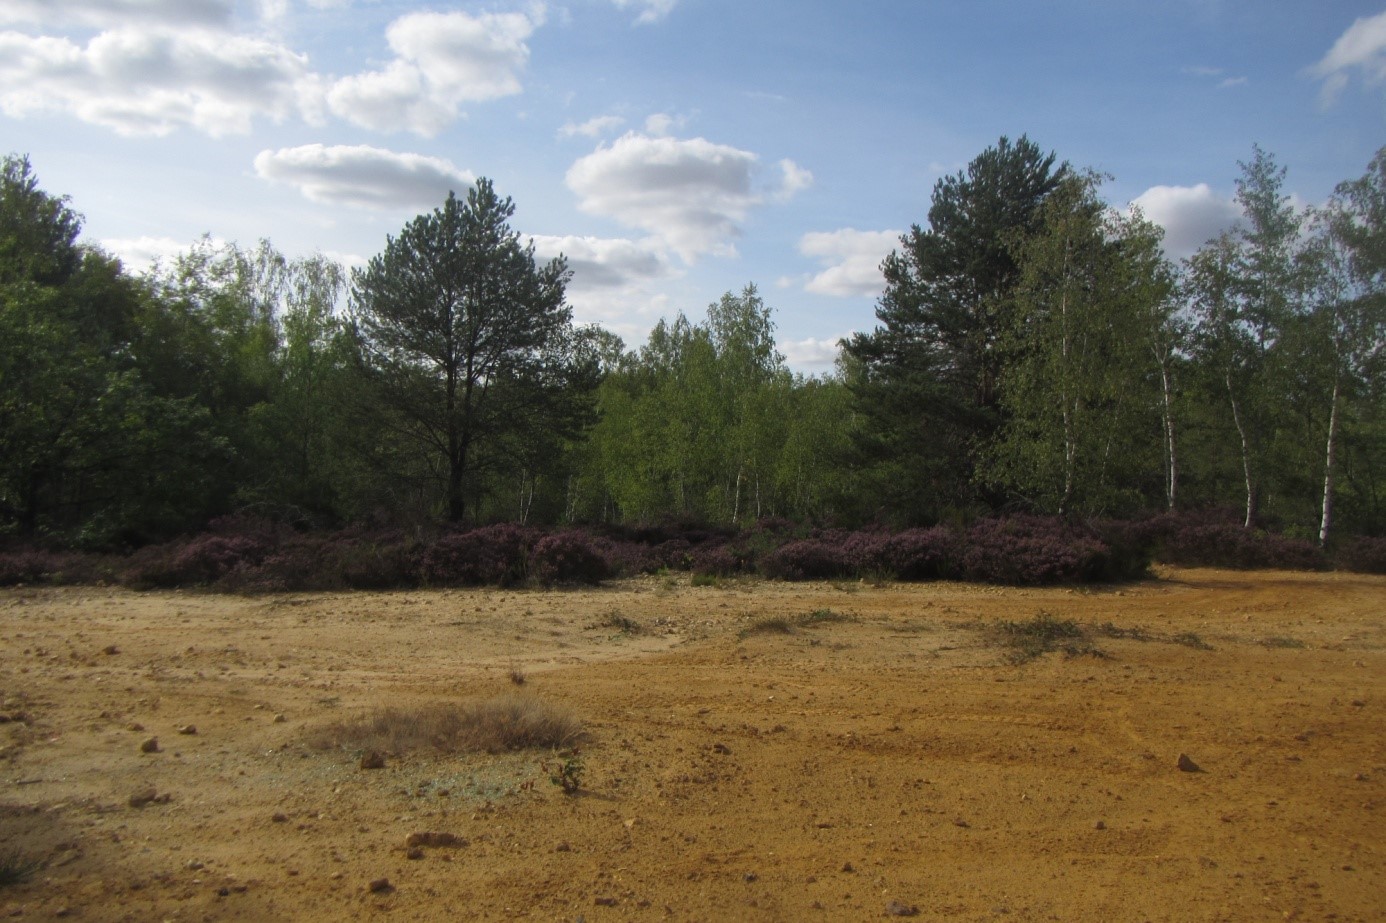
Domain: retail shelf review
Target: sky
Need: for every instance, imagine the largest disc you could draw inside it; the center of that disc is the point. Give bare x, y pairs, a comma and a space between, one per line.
672, 150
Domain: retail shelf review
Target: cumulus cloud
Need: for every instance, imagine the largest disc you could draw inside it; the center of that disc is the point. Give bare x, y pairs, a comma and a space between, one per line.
851, 259
442, 60
139, 254
650, 10
613, 278
1190, 215
363, 176
1362, 48
68, 13
151, 81
592, 128
692, 195
811, 354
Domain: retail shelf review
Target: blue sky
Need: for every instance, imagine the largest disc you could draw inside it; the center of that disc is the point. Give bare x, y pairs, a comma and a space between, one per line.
672, 149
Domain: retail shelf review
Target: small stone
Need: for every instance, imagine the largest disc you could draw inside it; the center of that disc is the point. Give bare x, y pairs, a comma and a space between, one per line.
897, 909
960, 822
847, 867
1359, 703
605, 902
279, 718
110, 650
280, 817
721, 748
434, 839
750, 876
142, 798
563, 847
413, 852
1100, 825
373, 759
151, 745
193, 865
380, 886
1187, 765
187, 729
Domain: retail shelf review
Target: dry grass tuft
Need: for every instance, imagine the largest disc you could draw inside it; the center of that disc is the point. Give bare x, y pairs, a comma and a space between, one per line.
506, 722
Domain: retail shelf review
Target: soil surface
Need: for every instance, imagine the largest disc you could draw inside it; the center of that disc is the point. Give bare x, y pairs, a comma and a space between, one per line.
754, 751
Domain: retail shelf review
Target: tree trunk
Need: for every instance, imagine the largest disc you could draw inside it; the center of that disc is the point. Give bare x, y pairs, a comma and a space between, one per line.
1171, 457
1246, 456
1326, 520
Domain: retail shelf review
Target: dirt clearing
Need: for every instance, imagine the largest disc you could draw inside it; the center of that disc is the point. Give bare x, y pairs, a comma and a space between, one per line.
753, 751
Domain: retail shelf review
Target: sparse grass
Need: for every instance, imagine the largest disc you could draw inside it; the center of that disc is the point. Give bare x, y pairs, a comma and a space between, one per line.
620, 623
517, 676
1189, 639
507, 722
779, 625
1108, 630
17, 868
771, 625
1042, 634
709, 580
820, 616
1281, 641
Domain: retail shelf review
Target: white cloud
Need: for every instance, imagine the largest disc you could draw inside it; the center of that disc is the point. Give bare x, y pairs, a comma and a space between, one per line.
1190, 215
613, 278
139, 254
662, 123
795, 180
811, 354
363, 176
68, 13
650, 10
1362, 48
692, 195
442, 60
593, 127
151, 81
852, 261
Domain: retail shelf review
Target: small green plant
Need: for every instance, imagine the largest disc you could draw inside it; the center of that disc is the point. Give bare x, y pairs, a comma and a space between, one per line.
1041, 635
621, 623
17, 868
566, 773
710, 580
820, 616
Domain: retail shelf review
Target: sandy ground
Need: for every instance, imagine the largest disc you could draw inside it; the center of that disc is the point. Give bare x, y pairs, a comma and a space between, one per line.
895, 762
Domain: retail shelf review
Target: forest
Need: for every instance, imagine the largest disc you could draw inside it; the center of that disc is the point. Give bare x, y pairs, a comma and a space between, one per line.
1037, 360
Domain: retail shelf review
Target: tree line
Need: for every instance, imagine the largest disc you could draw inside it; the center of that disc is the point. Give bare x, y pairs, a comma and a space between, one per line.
1035, 351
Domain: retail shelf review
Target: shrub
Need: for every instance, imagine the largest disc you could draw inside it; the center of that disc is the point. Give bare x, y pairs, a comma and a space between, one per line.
1042, 634
1032, 550
1228, 544
380, 561
491, 555
921, 554
715, 560
35, 566
569, 557
1363, 554
806, 559
199, 561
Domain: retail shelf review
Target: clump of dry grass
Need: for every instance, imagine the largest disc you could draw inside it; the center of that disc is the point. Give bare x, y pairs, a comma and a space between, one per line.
506, 722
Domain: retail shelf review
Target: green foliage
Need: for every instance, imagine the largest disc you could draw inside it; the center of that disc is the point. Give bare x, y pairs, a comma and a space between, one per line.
927, 381
469, 346
566, 771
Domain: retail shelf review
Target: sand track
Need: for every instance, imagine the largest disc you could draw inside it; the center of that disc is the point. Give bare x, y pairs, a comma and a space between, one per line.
893, 759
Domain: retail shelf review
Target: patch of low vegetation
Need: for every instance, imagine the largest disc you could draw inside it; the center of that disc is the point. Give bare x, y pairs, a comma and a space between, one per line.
1280, 641
1109, 630
16, 868
1190, 639
506, 722
822, 616
566, 771
1041, 635
771, 625
705, 580
622, 624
